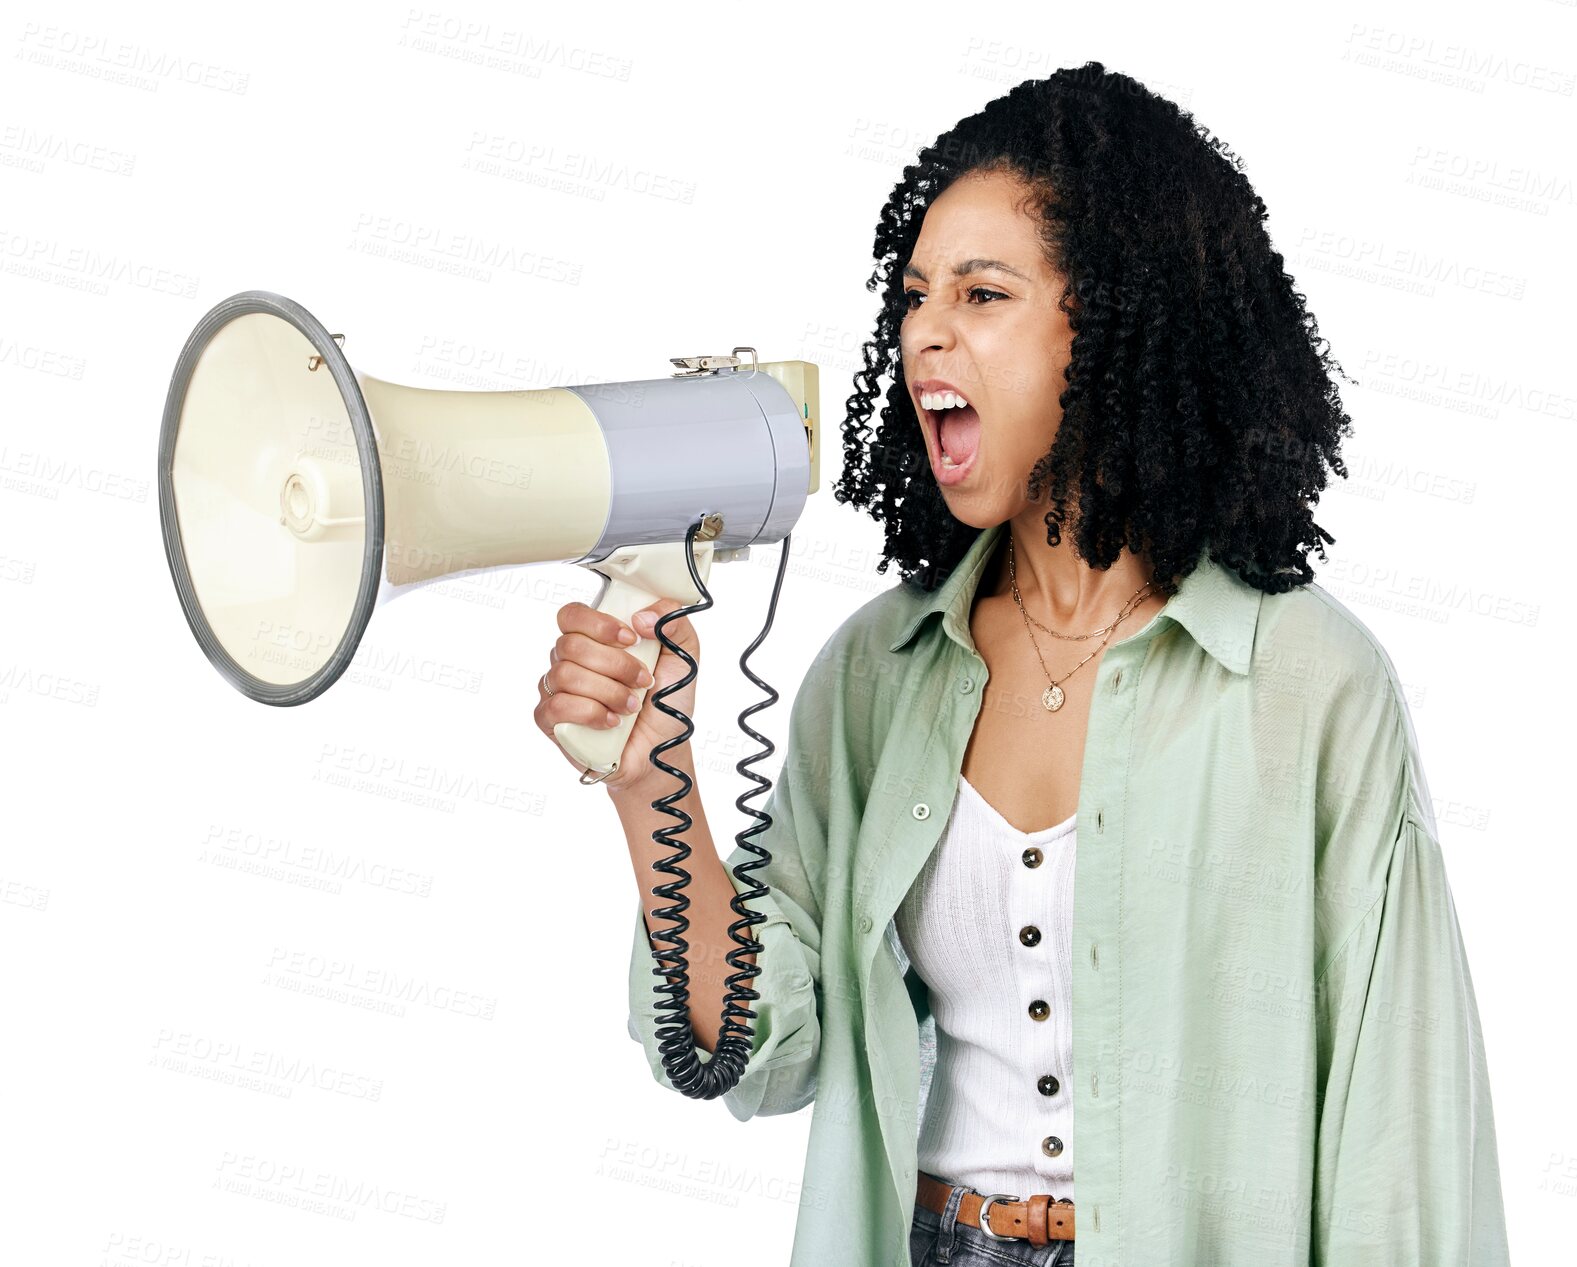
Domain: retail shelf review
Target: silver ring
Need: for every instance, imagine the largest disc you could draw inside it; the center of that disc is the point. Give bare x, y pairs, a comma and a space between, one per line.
985, 1221
545, 686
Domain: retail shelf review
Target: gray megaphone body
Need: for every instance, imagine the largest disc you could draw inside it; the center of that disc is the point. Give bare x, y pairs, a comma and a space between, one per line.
297, 495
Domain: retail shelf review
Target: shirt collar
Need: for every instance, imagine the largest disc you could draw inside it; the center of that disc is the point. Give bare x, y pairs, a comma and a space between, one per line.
1218, 608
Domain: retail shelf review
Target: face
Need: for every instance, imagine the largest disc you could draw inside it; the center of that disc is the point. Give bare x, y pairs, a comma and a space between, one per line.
993, 334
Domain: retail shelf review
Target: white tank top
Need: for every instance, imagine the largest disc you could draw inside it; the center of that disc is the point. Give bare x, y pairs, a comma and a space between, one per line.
988, 925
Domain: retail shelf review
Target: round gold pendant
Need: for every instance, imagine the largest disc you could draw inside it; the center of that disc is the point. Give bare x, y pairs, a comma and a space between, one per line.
1051, 697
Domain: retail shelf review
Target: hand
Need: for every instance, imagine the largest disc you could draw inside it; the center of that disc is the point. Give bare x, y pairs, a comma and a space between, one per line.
592, 674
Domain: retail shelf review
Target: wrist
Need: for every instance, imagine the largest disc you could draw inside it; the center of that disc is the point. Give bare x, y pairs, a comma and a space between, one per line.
639, 793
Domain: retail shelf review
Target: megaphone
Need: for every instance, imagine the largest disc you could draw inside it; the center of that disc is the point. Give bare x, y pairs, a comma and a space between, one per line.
297, 496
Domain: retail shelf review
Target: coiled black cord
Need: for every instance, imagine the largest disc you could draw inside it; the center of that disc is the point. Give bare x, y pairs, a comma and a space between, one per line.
722, 1072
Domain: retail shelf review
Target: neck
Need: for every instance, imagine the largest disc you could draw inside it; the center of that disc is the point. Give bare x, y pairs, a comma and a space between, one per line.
1060, 588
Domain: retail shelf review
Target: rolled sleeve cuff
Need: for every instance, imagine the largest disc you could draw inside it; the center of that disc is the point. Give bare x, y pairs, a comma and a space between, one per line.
780, 1075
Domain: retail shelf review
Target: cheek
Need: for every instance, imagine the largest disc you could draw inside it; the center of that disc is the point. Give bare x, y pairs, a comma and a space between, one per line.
1027, 416
1029, 358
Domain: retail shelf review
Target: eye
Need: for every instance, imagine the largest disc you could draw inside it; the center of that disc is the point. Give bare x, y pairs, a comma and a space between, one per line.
910, 295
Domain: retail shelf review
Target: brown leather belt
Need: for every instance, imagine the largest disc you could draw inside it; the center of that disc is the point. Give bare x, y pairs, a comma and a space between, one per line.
1039, 1219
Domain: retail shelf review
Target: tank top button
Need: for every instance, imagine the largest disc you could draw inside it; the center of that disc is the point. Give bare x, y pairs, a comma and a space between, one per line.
1032, 857
1029, 935
1047, 1085
1038, 1011
1051, 1146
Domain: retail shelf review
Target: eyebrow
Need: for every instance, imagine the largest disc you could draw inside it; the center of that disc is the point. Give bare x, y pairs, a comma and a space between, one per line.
967, 267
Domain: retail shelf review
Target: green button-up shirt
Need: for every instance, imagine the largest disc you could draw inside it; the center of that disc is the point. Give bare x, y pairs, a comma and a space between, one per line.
1276, 1046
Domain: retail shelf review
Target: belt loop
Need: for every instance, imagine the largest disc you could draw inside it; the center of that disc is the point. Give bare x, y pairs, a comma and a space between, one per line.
944, 1240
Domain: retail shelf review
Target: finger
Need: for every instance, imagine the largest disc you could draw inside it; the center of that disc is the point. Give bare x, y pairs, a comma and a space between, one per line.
543, 682
574, 709
611, 662
580, 618
645, 622
570, 678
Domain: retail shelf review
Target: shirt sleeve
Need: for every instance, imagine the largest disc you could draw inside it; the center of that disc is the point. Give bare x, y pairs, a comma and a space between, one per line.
1406, 1167
780, 1075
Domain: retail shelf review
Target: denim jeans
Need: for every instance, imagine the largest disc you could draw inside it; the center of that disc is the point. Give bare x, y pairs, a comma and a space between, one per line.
941, 1239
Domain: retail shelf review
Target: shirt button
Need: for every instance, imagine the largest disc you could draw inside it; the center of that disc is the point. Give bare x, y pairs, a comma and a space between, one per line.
865, 923
1029, 935
1032, 857
966, 685
1051, 1146
1117, 678
1038, 1011
1047, 1085
922, 811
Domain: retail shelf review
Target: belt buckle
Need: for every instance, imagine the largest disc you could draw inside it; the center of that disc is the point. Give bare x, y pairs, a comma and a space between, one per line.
985, 1221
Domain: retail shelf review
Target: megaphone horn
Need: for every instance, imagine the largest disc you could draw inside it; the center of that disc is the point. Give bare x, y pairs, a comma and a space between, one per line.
297, 495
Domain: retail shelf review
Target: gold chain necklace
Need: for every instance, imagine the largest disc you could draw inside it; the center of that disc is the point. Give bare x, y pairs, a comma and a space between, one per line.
1052, 697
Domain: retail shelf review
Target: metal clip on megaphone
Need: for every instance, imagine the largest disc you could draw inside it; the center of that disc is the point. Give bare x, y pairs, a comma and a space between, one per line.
297, 496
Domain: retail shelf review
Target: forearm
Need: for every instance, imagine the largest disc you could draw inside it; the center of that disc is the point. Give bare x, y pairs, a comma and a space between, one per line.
710, 891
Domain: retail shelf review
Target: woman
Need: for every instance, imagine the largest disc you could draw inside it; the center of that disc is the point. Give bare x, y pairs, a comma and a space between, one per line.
1242, 1002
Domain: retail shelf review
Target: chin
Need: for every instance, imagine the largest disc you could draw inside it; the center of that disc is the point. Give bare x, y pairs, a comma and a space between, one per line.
969, 511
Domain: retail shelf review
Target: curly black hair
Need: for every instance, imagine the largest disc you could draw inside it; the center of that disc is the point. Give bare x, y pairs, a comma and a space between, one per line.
1199, 411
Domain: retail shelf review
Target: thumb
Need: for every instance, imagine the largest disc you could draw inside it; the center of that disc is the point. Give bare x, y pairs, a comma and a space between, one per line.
644, 622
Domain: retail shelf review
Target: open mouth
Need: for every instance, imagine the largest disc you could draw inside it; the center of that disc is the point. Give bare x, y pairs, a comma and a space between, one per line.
957, 433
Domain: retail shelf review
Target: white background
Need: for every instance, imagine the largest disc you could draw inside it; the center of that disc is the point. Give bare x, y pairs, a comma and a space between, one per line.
648, 182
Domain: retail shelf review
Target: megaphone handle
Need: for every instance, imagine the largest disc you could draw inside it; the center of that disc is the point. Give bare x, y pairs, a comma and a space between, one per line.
598, 748
627, 574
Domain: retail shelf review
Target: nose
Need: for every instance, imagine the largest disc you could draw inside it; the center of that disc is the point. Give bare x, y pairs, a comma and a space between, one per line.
927, 328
